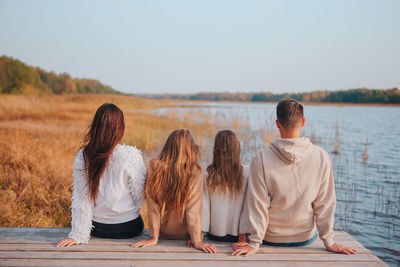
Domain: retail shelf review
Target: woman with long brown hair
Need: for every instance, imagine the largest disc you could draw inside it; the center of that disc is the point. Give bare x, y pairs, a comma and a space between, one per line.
224, 190
108, 182
173, 190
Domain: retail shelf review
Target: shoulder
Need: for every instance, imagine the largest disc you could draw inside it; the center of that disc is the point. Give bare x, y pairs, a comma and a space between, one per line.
127, 151
260, 155
127, 157
321, 153
79, 160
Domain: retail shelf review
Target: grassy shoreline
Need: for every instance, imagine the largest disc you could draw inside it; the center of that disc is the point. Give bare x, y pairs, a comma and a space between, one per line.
39, 138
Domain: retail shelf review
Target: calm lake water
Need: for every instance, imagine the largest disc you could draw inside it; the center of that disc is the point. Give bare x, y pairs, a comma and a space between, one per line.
367, 189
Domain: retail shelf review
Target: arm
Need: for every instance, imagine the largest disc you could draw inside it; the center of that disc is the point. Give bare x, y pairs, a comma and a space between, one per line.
324, 208
193, 210
82, 207
193, 214
205, 218
254, 216
154, 218
242, 238
136, 175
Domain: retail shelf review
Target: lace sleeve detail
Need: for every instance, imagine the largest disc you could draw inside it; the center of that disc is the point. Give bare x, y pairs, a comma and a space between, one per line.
82, 207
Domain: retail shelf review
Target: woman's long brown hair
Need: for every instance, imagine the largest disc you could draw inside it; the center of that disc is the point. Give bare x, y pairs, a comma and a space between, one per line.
225, 173
171, 175
105, 132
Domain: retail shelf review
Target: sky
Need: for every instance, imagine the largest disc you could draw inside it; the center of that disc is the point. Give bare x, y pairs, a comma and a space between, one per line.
209, 45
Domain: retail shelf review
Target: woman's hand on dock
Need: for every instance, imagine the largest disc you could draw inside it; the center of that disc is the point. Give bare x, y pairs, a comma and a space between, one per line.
341, 249
207, 248
67, 242
145, 243
246, 251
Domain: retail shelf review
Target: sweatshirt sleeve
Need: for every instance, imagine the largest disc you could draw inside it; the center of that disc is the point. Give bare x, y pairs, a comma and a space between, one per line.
82, 207
254, 216
205, 218
193, 209
136, 174
325, 204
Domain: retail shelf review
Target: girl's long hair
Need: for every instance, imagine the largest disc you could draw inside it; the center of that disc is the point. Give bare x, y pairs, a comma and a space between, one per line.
225, 173
105, 132
171, 176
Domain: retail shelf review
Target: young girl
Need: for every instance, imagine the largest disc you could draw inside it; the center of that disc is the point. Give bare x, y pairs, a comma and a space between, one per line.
108, 182
224, 190
173, 190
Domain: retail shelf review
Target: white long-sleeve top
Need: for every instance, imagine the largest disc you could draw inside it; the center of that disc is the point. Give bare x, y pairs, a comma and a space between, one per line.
221, 214
120, 194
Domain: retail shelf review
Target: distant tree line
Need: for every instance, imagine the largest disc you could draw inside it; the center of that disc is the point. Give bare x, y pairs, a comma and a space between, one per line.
19, 78
361, 95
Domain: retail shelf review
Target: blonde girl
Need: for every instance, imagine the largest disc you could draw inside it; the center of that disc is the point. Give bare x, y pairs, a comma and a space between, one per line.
173, 191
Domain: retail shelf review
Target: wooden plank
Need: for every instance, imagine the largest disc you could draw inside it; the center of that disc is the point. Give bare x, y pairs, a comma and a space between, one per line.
63, 232
64, 254
164, 248
36, 246
38, 235
107, 263
180, 263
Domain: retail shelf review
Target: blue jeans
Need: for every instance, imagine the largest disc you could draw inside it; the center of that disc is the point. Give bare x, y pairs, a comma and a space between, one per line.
294, 244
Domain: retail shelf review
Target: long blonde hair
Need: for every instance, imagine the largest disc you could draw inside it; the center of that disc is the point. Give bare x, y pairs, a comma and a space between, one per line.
171, 175
225, 173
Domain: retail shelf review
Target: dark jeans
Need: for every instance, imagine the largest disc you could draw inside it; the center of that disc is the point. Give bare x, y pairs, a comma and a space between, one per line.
227, 238
294, 244
118, 230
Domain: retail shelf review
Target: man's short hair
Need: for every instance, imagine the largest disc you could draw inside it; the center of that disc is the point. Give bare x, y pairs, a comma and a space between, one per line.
289, 113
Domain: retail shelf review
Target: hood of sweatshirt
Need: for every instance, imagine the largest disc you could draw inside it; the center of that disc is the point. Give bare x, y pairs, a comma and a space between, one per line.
291, 150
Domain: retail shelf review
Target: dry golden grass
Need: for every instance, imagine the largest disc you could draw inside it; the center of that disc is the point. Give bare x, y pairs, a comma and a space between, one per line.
39, 137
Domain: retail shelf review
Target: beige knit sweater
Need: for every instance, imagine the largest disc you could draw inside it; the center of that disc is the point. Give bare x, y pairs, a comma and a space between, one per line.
290, 193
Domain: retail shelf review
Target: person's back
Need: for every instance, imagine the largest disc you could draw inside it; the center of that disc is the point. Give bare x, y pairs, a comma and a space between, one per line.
221, 212
108, 182
174, 190
173, 225
290, 191
121, 188
224, 189
299, 184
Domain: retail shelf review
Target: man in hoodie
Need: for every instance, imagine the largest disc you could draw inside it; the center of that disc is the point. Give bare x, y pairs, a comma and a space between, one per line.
290, 196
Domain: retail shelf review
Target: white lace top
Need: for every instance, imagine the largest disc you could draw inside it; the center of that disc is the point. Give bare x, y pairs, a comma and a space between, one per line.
120, 192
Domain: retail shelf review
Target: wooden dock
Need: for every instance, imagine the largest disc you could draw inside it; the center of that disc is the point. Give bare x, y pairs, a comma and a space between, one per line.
36, 247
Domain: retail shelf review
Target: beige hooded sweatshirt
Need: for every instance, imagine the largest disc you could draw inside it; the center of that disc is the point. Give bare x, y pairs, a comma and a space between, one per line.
290, 193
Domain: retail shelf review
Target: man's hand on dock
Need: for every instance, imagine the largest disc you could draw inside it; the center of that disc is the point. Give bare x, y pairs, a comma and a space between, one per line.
341, 249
